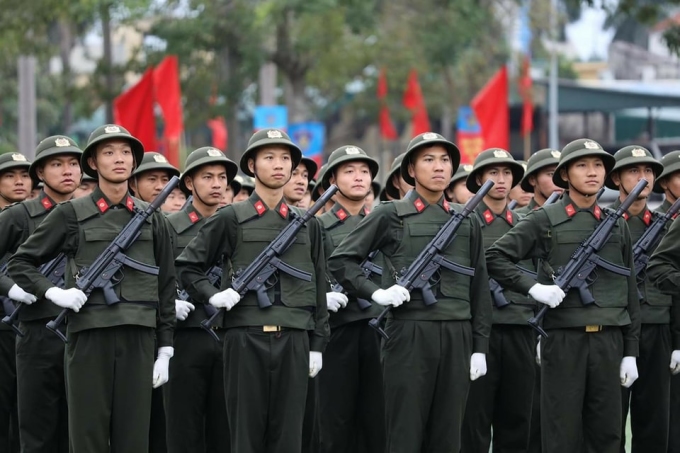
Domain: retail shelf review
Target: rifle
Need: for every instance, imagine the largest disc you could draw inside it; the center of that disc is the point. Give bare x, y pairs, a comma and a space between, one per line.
214, 275
512, 205
368, 268
552, 198
54, 271
7, 303
584, 260
104, 272
268, 262
428, 262
649, 241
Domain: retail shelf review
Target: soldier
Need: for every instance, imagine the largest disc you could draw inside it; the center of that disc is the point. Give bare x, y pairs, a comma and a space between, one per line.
43, 421
306, 201
175, 201
518, 194
350, 388
15, 183
232, 188
294, 191
152, 174
396, 186
590, 349
538, 178
433, 351
502, 398
194, 398
247, 186
457, 192
373, 194
269, 353
86, 187
109, 357
648, 398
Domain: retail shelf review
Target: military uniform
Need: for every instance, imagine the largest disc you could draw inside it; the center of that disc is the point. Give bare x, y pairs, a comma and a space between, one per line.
109, 356
350, 387
194, 399
426, 360
540, 159
581, 358
503, 398
266, 351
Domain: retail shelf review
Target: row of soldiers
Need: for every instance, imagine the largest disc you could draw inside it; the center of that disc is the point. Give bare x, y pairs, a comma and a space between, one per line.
448, 377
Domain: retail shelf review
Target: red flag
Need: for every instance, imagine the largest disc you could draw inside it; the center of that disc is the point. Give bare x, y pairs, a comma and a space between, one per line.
414, 101
218, 127
169, 97
491, 109
387, 130
525, 91
134, 111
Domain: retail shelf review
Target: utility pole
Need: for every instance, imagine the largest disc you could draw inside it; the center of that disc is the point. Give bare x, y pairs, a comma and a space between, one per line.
27, 112
553, 137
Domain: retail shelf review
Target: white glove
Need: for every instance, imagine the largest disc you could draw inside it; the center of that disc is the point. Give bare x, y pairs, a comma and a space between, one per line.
225, 299
628, 371
182, 309
538, 351
477, 365
315, 363
675, 362
335, 301
395, 295
161, 366
550, 295
19, 295
71, 298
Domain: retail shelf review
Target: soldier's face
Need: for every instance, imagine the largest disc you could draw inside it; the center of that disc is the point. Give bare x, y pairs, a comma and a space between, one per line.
353, 180
208, 184
523, 198
432, 169
113, 160
227, 197
15, 185
543, 183
401, 185
459, 193
242, 195
306, 201
61, 173
174, 202
149, 184
501, 175
671, 183
296, 188
272, 166
627, 177
85, 188
586, 175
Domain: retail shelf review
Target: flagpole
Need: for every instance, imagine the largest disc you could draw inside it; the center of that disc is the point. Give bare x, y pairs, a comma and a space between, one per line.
553, 112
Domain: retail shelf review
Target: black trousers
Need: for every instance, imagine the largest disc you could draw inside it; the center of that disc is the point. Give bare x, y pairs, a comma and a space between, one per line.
9, 432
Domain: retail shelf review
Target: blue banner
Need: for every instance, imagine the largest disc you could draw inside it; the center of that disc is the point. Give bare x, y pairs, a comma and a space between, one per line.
270, 116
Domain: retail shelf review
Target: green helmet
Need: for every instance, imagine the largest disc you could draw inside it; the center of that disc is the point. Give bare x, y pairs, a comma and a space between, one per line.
540, 159
395, 169
344, 154
155, 161
9, 161
632, 155
88, 178
311, 167
266, 137
671, 164
583, 147
461, 173
55, 145
426, 140
244, 182
322, 174
109, 132
235, 185
376, 188
493, 156
205, 156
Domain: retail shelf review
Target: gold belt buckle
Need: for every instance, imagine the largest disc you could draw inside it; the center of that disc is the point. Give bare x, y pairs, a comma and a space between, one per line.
593, 328
271, 328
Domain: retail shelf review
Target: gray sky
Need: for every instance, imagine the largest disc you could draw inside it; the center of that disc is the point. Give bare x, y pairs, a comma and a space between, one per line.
587, 35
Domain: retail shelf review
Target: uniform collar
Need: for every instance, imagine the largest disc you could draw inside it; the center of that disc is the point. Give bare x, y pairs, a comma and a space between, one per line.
420, 204
645, 215
193, 215
342, 214
665, 206
488, 215
571, 209
104, 204
261, 208
533, 205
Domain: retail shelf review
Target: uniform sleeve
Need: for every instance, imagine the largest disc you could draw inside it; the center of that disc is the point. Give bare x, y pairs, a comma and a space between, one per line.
480, 295
56, 234
523, 241
372, 233
322, 332
167, 284
663, 268
631, 332
13, 234
212, 242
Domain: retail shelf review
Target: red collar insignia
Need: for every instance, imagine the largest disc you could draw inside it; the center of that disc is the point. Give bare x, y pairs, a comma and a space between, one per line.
488, 216
445, 204
675, 215
129, 204
102, 205
341, 214
597, 212
508, 216
283, 210
625, 216
193, 217
418, 203
647, 218
569, 209
259, 207
47, 204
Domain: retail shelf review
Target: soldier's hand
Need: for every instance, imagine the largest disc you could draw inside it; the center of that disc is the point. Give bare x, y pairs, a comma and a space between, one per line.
550, 295
628, 371
182, 309
315, 363
477, 365
225, 299
395, 295
161, 366
675, 362
335, 301
71, 298
19, 295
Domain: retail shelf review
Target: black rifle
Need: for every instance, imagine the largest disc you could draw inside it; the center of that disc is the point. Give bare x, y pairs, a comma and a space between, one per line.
368, 268
54, 271
428, 262
7, 303
268, 262
512, 205
576, 273
105, 271
214, 275
553, 198
649, 241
